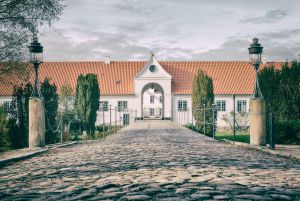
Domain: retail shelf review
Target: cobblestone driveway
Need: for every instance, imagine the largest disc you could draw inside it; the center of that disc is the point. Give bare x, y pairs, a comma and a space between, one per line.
152, 161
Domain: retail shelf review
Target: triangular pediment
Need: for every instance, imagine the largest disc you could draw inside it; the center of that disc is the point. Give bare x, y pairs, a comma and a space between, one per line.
152, 70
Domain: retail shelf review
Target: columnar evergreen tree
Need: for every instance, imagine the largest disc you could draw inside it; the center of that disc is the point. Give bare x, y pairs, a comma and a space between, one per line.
49, 93
80, 100
87, 101
92, 96
202, 93
281, 90
19, 116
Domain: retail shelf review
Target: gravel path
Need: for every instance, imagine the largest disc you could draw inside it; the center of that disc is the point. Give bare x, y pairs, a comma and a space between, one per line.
152, 160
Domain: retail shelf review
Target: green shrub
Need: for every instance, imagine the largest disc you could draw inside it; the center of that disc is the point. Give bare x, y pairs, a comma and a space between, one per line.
287, 132
76, 136
16, 136
4, 137
199, 129
76, 126
104, 128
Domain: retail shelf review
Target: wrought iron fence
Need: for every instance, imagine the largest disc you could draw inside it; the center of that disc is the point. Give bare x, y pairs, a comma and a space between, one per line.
116, 116
232, 125
201, 119
108, 120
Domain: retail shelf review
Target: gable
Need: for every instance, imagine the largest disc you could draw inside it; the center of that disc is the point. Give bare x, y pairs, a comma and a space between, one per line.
152, 70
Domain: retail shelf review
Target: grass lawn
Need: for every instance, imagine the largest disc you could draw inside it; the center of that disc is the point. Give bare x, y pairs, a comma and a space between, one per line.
239, 136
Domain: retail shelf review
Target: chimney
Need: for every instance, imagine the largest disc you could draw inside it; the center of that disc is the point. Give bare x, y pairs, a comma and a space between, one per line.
264, 59
107, 60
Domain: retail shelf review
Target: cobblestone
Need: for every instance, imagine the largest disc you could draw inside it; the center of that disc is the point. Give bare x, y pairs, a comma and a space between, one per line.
152, 161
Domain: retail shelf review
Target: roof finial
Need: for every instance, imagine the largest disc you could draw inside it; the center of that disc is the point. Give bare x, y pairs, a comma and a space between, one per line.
152, 54
255, 40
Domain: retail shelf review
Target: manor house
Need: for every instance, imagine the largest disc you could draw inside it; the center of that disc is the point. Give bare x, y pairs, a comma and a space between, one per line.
154, 89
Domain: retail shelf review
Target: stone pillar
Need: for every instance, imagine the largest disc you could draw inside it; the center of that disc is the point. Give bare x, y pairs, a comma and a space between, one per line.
257, 121
36, 122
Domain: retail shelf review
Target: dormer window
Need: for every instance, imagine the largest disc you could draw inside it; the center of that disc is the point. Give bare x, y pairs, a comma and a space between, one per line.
152, 68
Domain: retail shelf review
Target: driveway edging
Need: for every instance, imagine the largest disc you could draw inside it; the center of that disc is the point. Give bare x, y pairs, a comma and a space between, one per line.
262, 149
7, 161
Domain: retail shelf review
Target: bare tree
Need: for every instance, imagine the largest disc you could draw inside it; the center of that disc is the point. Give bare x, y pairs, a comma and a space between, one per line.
19, 19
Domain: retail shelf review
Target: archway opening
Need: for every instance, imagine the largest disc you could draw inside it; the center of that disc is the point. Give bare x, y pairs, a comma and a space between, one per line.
152, 101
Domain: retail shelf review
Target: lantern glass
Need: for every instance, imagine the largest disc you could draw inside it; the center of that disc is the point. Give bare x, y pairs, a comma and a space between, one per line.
36, 57
255, 58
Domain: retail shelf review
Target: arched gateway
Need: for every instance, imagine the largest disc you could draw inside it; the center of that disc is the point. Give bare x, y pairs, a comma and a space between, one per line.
153, 97
152, 101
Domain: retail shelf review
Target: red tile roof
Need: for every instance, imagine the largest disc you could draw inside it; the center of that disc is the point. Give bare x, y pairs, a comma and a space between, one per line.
117, 78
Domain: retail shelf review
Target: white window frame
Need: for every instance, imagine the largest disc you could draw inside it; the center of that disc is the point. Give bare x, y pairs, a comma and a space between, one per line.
241, 106
152, 99
122, 105
7, 105
103, 106
221, 105
182, 105
151, 111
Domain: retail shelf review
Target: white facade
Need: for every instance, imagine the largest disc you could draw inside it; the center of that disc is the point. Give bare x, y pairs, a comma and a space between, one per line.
152, 103
159, 79
154, 81
114, 114
147, 81
184, 117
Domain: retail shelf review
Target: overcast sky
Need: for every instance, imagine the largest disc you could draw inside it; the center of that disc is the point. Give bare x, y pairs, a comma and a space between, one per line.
173, 30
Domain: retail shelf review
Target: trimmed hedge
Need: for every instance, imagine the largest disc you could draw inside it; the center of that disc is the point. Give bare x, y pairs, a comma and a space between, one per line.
287, 132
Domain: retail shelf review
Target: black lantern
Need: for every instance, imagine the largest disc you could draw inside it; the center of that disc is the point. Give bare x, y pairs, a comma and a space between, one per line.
36, 58
255, 52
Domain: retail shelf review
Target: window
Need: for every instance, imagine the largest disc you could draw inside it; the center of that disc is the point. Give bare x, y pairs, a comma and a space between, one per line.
182, 105
151, 99
152, 68
221, 105
122, 105
241, 106
103, 106
160, 112
160, 99
151, 111
6, 106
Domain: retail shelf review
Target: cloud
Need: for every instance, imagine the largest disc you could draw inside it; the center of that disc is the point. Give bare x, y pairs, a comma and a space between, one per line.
96, 45
173, 29
278, 46
269, 17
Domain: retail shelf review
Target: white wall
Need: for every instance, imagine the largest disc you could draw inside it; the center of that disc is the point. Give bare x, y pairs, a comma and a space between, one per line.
186, 117
165, 84
115, 115
182, 117
156, 105
170, 107
229, 106
4, 99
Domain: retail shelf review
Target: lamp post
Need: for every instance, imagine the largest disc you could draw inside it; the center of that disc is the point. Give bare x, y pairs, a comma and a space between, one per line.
257, 104
255, 51
36, 103
36, 58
